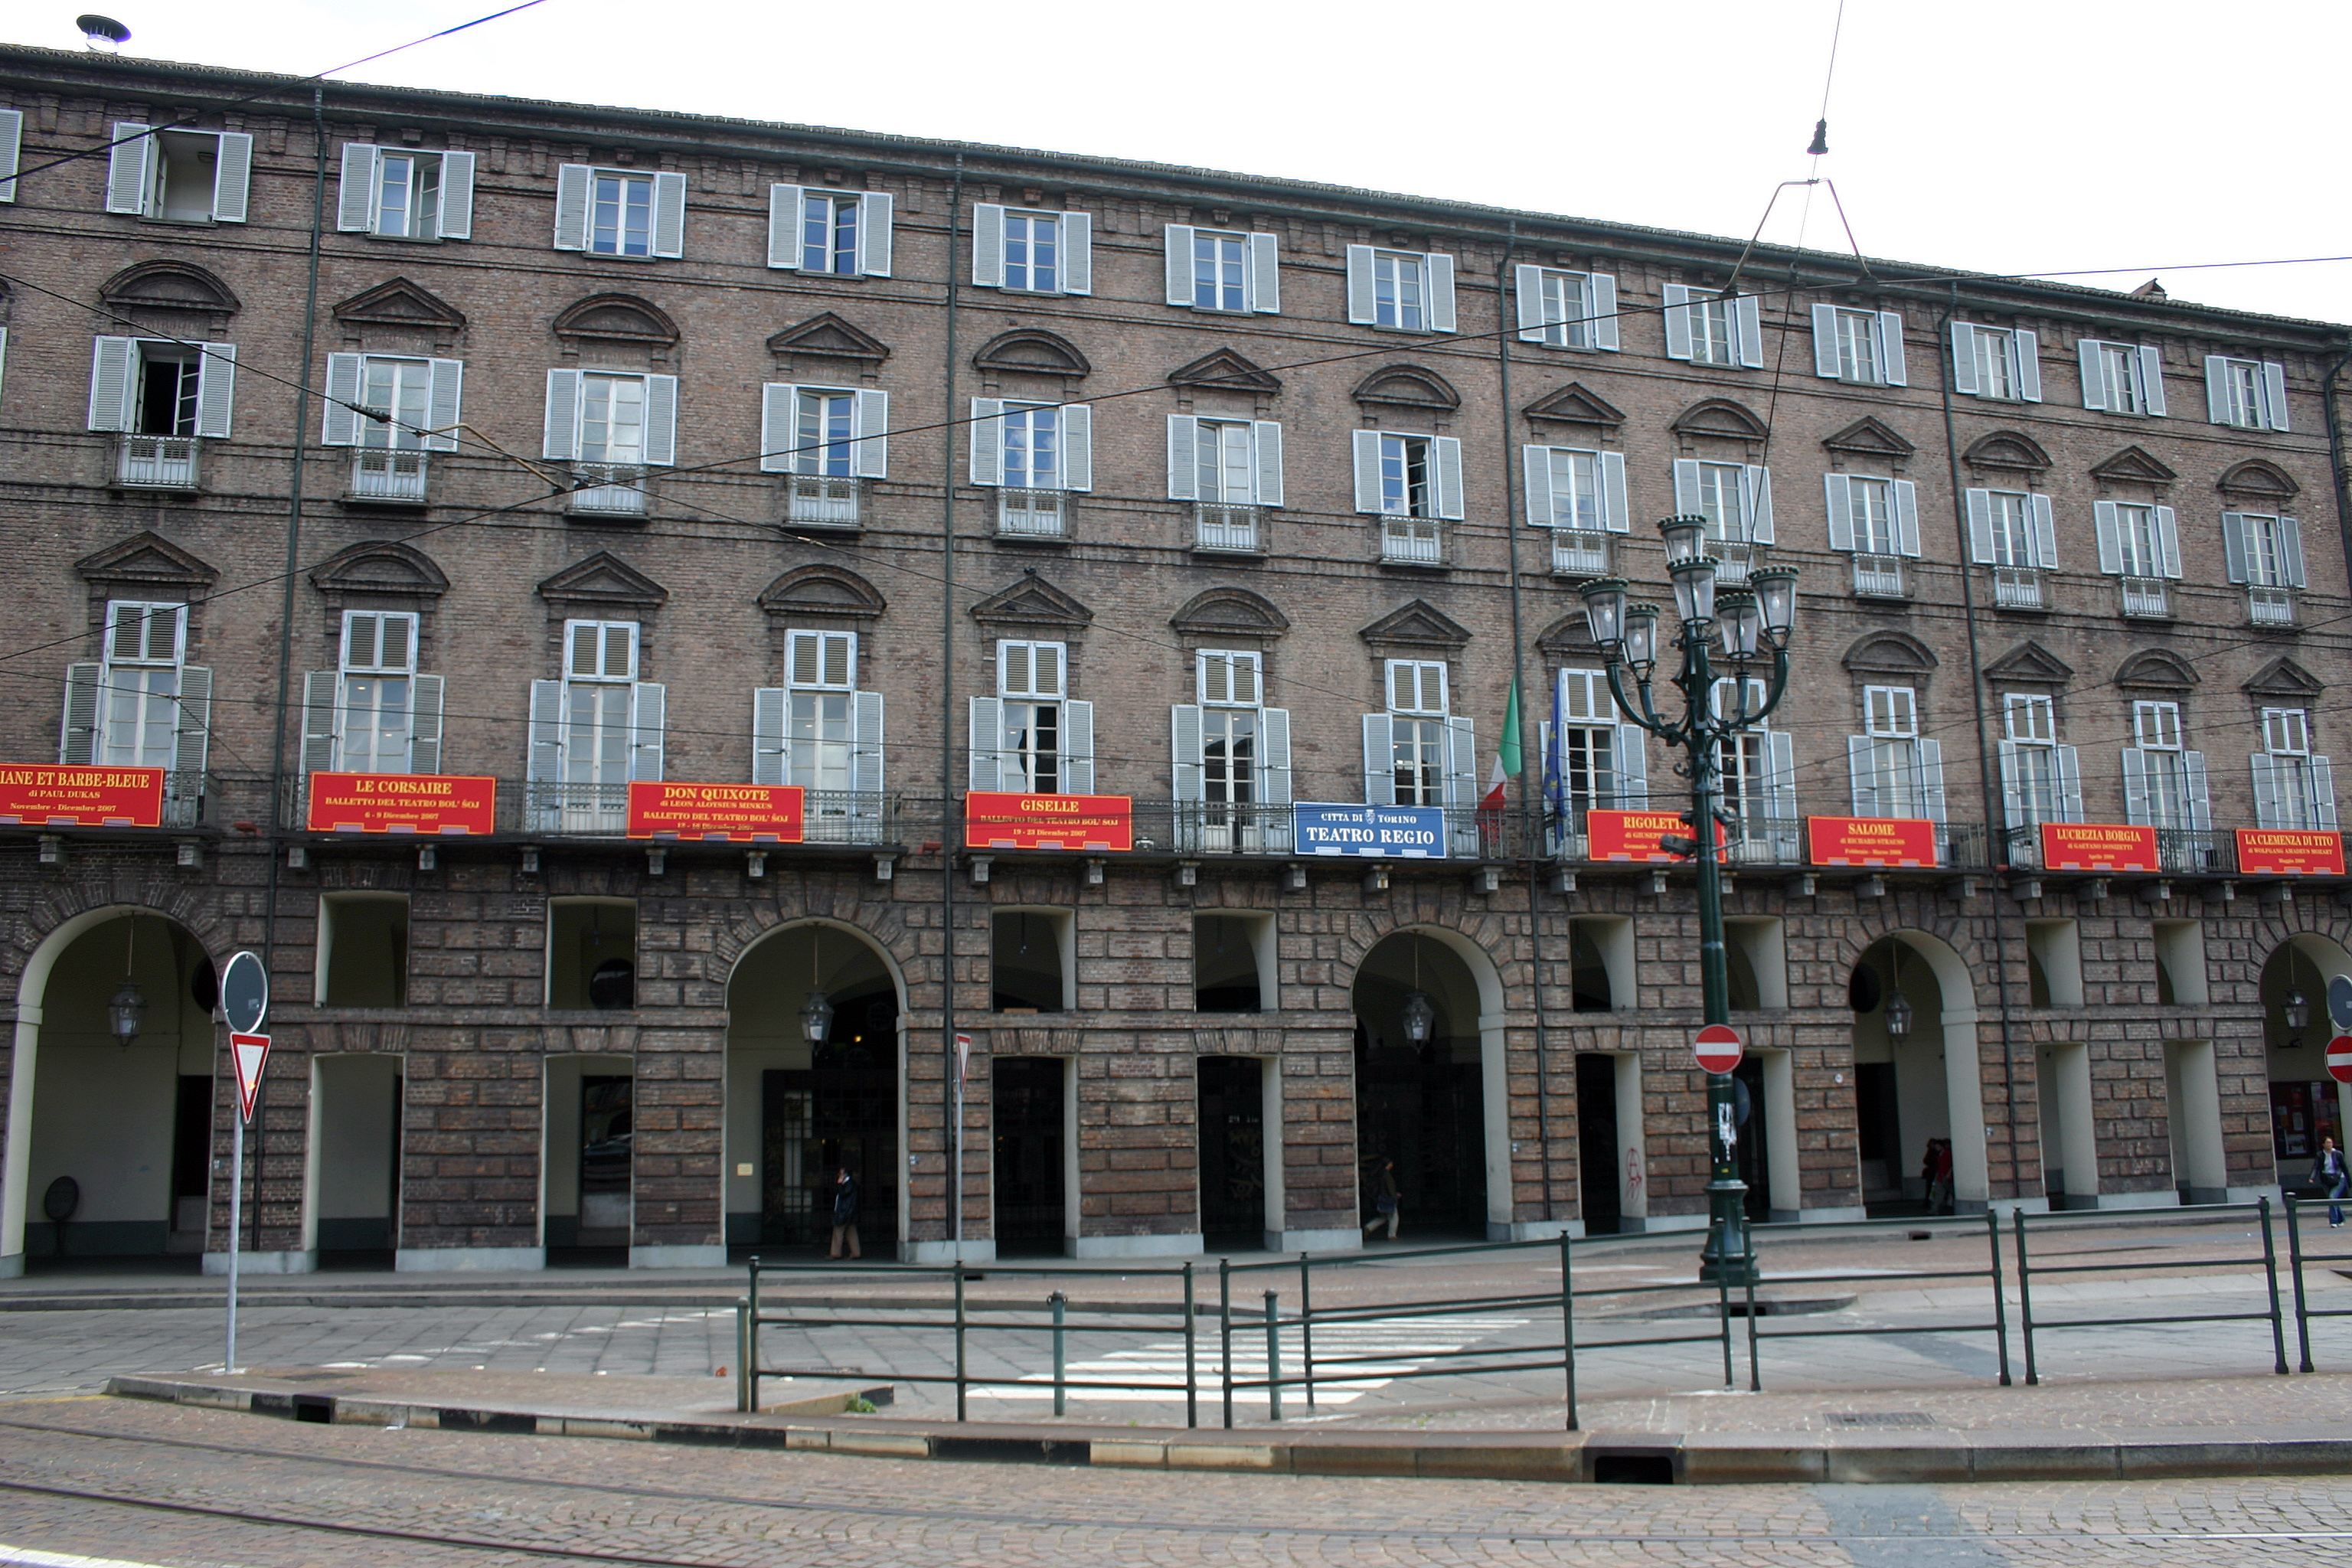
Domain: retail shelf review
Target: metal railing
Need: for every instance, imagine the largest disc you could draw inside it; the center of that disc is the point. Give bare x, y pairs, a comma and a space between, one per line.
2020, 588
1578, 554
616, 490
1032, 514
2073, 1219
2271, 606
1879, 577
1237, 529
1213, 827
1734, 562
383, 475
812, 500
2182, 850
1412, 540
2146, 598
1759, 841
157, 462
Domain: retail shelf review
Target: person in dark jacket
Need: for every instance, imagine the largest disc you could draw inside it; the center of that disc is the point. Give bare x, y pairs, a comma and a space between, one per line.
845, 1213
2331, 1175
1385, 1202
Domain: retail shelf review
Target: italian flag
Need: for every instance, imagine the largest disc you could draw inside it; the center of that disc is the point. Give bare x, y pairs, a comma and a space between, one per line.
1506, 754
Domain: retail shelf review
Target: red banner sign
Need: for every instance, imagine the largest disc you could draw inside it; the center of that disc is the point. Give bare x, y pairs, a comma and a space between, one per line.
2098, 846
1048, 821
1634, 834
403, 803
2277, 852
1870, 841
81, 797
737, 813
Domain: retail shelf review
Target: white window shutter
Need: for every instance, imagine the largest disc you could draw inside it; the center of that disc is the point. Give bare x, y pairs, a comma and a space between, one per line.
870, 426
572, 206
661, 420
340, 425
2151, 373
1183, 458
128, 162
1179, 260
2167, 541
1077, 261
878, 218
1461, 762
2070, 785
1837, 494
544, 762
778, 432
1445, 472
1678, 327
2200, 798
1184, 750
2111, 550
456, 196
2216, 389
2135, 810
1686, 486
2045, 531
1604, 325
1617, 514
1379, 760
1893, 365
1266, 449
1964, 358
1780, 787
2029, 365
321, 697
865, 759
2291, 549
1758, 504
669, 214
12, 140
1440, 292
1368, 470
1981, 527
113, 362
562, 441
444, 403
1077, 449
1930, 754
1863, 774
1265, 274
192, 732
2267, 812
648, 706
2088, 351
2323, 794
785, 227
355, 193
1274, 759
769, 704
77, 734
986, 769
1077, 748
216, 390
1526, 290
1361, 307
1631, 759
1907, 518
426, 703
1536, 461
2013, 812
988, 440
1748, 320
988, 250
2274, 394
231, 176
2233, 545
1825, 349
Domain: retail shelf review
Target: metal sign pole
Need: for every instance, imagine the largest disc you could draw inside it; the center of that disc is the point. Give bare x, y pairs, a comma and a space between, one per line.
236, 1216
244, 1007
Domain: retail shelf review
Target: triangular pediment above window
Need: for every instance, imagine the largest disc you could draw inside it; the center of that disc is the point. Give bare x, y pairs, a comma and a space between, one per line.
1890, 654
823, 590
1230, 612
2156, 669
1570, 636
1416, 625
147, 561
2255, 480
827, 336
622, 317
1576, 403
380, 566
168, 285
1223, 370
2031, 663
2285, 680
2007, 449
1872, 437
1720, 416
1032, 601
604, 580
1032, 352
2135, 464
1408, 387
400, 304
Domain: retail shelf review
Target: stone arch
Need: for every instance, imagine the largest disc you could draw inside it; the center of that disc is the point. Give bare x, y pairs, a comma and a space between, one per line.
2157, 667
2007, 449
169, 285
2256, 480
1229, 611
822, 589
623, 318
1957, 1021
1408, 387
1032, 351
1720, 416
1885, 653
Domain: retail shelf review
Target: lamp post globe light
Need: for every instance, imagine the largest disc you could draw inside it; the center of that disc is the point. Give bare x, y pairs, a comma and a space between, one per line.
1751, 629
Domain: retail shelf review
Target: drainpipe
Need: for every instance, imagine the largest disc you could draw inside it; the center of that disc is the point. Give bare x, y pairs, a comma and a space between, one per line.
1985, 780
948, 817
2336, 451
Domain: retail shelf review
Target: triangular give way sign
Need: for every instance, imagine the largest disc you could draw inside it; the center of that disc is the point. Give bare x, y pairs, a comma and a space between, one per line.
250, 1053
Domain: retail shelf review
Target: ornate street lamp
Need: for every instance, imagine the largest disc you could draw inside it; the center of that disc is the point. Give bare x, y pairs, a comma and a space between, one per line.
2297, 1009
1420, 1016
1898, 1007
124, 1014
816, 1012
1752, 630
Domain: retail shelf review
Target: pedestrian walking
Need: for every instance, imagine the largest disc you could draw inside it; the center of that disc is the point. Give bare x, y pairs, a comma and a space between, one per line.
1936, 1175
1384, 1201
2330, 1175
845, 1213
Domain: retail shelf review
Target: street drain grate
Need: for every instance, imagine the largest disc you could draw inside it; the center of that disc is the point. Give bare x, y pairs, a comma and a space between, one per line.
1880, 1418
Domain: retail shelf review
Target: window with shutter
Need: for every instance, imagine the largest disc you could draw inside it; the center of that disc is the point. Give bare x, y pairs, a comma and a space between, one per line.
375, 726
1031, 684
11, 135
401, 193
819, 740
141, 686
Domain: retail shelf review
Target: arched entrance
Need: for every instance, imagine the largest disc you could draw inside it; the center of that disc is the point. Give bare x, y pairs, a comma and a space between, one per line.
1915, 1055
124, 1125
2307, 1105
798, 1107
1437, 1104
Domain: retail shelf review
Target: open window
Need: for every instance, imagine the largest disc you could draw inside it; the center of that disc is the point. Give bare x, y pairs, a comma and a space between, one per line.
1032, 964
362, 950
1232, 964
592, 954
179, 176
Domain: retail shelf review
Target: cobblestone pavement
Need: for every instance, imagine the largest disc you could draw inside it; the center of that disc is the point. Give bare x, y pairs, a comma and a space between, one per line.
272, 1495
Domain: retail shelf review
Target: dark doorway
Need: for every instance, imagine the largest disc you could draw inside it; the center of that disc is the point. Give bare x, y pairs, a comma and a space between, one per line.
607, 1141
1879, 1138
813, 1120
1025, 962
1233, 1153
1224, 964
1596, 1142
1425, 1113
192, 1151
1747, 1156
1029, 1104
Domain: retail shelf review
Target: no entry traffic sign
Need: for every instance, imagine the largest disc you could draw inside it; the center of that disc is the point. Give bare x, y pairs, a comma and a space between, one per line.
2339, 1058
1717, 1047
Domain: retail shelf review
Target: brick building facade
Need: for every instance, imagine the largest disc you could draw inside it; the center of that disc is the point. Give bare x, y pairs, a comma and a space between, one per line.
732, 452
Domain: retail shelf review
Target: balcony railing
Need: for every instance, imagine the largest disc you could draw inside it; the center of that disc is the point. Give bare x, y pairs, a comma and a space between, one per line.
157, 462
387, 476
2271, 606
2020, 588
1758, 842
2186, 850
1879, 577
602, 811
615, 489
1032, 514
1239, 530
1735, 561
2146, 598
1576, 553
1413, 541
812, 500
1213, 827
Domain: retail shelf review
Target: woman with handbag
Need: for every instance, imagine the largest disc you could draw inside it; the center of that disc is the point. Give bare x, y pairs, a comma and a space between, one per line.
1384, 1201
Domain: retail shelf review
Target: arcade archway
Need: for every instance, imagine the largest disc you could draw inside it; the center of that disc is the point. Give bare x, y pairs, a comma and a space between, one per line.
1430, 1088
1916, 1076
2305, 1104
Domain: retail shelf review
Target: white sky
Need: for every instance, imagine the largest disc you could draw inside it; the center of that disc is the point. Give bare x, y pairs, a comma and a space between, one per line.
2004, 136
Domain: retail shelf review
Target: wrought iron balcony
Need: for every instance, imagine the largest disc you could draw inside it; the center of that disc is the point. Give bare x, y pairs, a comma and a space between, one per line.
1879, 577
1032, 514
2177, 850
379, 475
2146, 598
812, 500
1576, 553
616, 490
2020, 588
1412, 541
1235, 530
157, 462
2271, 606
